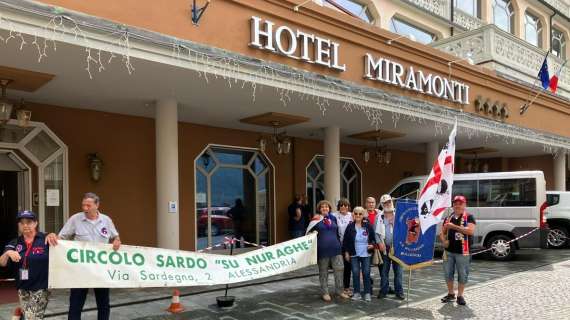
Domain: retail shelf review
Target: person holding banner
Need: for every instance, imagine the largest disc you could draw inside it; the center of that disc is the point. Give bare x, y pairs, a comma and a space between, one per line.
359, 239
30, 255
344, 218
328, 249
92, 226
457, 237
389, 217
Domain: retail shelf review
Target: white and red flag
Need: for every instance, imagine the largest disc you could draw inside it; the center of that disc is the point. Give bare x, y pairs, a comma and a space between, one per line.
435, 196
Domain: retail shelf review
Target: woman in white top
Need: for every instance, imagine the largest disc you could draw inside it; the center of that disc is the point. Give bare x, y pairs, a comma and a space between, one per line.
344, 218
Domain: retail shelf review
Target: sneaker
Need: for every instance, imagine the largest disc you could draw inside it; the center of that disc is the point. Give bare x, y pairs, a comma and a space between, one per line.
381, 296
400, 296
356, 296
367, 297
461, 301
344, 295
327, 297
448, 298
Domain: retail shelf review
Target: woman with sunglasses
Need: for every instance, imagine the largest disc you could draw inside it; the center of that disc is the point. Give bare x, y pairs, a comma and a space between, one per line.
359, 239
344, 218
328, 249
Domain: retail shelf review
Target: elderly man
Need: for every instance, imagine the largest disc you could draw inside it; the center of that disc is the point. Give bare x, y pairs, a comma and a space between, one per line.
457, 237
92, 226
388, 222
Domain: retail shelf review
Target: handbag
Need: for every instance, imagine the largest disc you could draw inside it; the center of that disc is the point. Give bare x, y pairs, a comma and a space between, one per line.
377, 258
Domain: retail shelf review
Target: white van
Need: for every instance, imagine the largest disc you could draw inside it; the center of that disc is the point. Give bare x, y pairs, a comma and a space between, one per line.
505, 205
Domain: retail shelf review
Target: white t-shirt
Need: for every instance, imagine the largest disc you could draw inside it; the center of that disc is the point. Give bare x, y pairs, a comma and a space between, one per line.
342, 220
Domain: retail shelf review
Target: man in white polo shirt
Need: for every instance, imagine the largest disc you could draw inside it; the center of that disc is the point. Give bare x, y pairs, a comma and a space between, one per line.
92, 226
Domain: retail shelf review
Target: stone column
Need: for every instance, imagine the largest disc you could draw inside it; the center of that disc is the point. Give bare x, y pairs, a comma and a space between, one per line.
167, 210
432, 151
560, 172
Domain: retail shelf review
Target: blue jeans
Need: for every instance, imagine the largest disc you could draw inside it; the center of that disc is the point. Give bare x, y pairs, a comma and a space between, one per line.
385, 276
360, 264
459, 262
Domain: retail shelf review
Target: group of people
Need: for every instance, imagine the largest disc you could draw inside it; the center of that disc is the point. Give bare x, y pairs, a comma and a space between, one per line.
347, 241
28, 257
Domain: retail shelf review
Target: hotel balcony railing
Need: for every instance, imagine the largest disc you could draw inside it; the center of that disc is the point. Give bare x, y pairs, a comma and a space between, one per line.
442, 8
509, 56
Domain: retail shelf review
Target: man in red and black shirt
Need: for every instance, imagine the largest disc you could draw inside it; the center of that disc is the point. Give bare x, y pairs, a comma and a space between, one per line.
457, 237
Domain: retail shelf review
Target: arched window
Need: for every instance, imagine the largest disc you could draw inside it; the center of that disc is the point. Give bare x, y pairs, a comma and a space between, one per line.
532, 29
558, 43
350, 181
404, 28
233, 196
504, 15
470, 7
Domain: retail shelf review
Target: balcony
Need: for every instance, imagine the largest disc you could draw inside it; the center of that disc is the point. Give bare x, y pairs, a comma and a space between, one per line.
509, 56
442, 8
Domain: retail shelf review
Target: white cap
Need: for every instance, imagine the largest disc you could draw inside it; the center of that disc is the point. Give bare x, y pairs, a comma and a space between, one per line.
385, 198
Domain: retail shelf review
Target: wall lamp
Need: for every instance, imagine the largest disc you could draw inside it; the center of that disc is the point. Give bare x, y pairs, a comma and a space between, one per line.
198, 12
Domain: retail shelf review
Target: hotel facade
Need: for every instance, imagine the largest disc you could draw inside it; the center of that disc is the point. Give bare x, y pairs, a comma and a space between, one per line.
172, 114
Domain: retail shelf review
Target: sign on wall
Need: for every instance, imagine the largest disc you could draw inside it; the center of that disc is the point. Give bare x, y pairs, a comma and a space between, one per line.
310, 48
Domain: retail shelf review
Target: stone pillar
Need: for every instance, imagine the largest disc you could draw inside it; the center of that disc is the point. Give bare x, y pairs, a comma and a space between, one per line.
332, 164
560, 172
167, 209
432, 151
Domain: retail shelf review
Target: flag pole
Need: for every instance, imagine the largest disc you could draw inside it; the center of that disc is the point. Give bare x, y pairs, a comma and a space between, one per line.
409, 285
533, 85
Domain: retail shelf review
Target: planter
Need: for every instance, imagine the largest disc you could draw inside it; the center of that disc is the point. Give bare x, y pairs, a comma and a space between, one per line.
225, 301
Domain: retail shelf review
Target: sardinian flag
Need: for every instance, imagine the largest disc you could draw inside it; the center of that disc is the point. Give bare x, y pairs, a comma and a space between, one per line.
435, 196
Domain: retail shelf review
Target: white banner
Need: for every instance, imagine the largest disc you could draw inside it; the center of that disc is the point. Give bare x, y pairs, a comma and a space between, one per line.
75, 264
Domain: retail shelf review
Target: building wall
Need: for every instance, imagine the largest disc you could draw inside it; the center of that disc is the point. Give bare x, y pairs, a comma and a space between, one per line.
356, 38
126, 146
128, 185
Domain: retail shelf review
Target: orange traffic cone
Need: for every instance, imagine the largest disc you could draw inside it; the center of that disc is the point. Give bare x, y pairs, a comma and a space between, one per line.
17, 314
175, 306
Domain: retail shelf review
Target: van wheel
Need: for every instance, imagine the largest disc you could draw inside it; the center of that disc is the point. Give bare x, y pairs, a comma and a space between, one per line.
557, 237
500, 249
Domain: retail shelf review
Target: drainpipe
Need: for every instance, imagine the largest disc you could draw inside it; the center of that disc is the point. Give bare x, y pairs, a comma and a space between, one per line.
550, 39
451, 2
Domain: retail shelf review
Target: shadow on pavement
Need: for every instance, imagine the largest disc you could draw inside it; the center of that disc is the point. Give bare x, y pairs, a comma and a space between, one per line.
453, 311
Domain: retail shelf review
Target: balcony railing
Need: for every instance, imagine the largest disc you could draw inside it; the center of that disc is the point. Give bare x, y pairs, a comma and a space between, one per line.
508, 55
442, 8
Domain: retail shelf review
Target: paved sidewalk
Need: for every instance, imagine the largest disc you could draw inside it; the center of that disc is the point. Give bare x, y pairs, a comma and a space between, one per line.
542, 293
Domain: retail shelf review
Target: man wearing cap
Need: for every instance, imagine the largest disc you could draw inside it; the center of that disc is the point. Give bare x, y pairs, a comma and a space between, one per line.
92, 226
388, 220
28, 255
457, 237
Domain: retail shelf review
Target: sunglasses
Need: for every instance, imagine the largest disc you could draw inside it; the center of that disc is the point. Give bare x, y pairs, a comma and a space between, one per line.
358, 214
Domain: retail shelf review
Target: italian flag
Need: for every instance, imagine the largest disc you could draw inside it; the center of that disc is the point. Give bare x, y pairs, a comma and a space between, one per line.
554, 80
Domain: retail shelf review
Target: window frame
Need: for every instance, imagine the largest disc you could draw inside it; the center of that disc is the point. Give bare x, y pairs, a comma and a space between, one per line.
532, 20
509, 9
411, 25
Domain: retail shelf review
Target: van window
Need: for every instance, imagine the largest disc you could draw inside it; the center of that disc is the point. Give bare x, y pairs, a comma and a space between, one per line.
406, 191
468, 189
552, 199
507, 193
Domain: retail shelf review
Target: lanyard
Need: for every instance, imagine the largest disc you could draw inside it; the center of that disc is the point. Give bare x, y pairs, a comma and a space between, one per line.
28, 250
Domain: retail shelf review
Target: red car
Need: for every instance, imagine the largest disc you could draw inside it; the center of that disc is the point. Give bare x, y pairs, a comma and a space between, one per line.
221, 222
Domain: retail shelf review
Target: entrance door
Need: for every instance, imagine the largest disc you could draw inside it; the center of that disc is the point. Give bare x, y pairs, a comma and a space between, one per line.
8, 206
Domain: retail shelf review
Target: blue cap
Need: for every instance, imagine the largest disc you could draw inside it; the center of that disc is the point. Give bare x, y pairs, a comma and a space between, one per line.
26, 215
